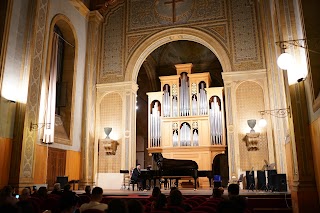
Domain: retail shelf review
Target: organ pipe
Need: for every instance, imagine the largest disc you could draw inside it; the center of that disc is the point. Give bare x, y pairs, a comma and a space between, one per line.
194, 105
166, 101
195, 138
185, 137
184, 95
215, 119
175, 106
203, 99
155, 125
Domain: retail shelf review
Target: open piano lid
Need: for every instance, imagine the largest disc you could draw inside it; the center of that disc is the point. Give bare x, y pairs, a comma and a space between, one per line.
167, 164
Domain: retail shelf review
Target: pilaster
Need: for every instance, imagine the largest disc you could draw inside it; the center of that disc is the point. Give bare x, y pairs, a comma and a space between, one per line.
304, 191
127, 90
88, 121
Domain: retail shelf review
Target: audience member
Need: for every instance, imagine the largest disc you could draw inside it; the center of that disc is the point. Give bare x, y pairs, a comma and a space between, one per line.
68, 202
8, 208
226, 206
96, 197
217, 192
42, 192
6, 196
87, 190
67, 188
160, 202
25, 194
176, 199
135, 206
155, 193
34, 190
233, 190
238, 201
173, 188
117, 206
56, 189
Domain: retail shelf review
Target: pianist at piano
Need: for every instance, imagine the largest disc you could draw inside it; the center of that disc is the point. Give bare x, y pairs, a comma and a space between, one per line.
136, 176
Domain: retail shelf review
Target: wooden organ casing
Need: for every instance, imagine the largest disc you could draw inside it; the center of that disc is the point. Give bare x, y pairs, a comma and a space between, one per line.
187, 132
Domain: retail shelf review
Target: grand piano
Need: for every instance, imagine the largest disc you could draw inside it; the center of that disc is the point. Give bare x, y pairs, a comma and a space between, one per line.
174, 169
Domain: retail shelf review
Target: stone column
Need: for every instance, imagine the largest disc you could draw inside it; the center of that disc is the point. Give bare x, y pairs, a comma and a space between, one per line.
89, 95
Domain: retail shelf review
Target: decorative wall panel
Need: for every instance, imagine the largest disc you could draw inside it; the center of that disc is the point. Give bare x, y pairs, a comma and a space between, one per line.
112, 48
245, 35
249, 98
157, 13
32, 107
110, 116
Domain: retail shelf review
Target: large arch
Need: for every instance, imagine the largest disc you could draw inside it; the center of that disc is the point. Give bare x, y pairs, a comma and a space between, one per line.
174, 34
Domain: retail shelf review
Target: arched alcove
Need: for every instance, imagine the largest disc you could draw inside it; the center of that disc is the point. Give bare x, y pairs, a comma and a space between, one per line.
65, 82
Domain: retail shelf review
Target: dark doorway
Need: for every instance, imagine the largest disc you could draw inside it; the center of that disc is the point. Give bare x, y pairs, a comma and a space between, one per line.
220, 167
56, 165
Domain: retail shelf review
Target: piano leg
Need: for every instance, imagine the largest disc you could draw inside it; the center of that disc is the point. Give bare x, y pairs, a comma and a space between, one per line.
210, 179
195, 184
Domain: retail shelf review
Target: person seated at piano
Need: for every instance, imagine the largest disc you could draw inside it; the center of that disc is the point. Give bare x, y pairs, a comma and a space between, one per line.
135, 176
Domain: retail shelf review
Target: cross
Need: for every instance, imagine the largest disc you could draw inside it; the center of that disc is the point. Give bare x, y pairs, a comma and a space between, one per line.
173, 2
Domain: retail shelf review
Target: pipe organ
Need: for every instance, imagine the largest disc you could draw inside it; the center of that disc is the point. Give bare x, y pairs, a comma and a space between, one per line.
187, 117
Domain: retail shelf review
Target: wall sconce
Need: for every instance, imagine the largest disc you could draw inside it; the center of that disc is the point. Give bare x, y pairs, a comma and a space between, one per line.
37, 126
286, 61
279, 113
253, 138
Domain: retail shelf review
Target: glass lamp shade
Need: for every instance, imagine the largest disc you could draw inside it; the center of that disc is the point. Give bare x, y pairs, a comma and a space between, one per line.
285, 61
262, 122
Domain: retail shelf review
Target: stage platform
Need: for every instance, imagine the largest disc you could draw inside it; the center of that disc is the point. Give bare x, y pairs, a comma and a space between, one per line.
207, 192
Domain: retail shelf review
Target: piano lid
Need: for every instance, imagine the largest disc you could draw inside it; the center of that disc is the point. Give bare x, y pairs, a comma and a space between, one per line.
167, 164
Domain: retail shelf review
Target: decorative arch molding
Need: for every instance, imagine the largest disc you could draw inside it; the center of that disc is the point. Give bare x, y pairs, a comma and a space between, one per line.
63, 22
170, 35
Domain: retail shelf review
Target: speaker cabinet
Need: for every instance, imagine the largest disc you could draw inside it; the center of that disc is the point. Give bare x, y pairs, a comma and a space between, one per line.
270, 179
261, 175
250, 180
279, 182
63, 180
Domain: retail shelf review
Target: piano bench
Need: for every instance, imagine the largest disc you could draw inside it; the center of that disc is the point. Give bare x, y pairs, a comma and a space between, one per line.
133, 183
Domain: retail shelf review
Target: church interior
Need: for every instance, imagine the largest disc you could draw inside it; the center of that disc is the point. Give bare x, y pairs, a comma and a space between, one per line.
91, 88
